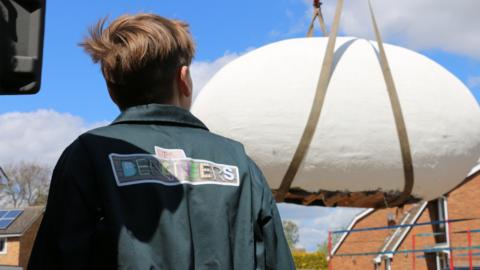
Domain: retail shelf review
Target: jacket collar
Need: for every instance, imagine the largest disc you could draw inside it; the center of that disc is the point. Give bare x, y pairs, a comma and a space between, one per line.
159, 113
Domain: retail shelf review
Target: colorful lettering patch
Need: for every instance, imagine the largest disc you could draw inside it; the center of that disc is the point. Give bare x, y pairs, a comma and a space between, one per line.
171, 167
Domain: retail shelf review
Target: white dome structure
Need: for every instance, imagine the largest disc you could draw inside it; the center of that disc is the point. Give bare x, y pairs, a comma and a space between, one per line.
264, 97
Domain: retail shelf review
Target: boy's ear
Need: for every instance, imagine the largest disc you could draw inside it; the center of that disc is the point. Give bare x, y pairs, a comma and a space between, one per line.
184, 81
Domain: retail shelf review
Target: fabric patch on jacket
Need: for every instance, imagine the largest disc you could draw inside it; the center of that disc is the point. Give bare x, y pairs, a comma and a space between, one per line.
171, 167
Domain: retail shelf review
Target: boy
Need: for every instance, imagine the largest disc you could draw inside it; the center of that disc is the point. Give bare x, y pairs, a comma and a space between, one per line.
155, 189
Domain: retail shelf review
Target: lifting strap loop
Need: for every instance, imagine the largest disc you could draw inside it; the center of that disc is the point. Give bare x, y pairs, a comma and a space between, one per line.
317, 13
319, 98
315, 111
321, 21
398, 115
310, 28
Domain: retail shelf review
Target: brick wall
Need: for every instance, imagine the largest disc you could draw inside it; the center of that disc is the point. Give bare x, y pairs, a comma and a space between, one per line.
13, 252
405, 261
370, 241
464, 202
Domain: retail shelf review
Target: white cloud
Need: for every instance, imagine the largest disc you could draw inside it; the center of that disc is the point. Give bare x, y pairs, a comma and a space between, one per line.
314, 222
338, 218
38, 136
311, 238
448, 25
203, 71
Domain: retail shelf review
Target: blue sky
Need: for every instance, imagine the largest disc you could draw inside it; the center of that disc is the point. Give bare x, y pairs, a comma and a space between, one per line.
74, 98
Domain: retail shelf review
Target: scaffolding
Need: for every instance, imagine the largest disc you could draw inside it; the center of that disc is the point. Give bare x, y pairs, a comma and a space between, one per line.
467, 252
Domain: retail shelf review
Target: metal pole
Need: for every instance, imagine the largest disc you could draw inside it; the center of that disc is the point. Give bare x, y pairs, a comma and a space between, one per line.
329, 246
388, 263
414, 255
451, 245
470, 260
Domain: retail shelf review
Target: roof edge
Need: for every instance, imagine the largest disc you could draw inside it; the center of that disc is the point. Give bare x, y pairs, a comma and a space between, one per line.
10, 235
474, 170
354, 221
34, 219
471, 175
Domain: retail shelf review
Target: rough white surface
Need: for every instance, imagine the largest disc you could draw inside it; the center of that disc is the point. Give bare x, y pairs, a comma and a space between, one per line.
263, 100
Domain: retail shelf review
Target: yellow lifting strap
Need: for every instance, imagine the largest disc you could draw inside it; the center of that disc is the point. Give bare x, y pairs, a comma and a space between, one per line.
317, 13
317, 105
398, 115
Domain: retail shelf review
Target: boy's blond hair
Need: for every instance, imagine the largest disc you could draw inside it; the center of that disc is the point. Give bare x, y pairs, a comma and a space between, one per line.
139, 56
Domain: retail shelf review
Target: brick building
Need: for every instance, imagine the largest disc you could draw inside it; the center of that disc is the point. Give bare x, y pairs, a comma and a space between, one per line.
18, 228
391, 248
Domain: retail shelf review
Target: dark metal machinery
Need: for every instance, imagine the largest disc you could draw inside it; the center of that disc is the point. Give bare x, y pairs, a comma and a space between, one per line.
21, 44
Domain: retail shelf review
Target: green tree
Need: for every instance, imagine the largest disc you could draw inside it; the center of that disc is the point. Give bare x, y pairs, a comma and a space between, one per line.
290, 229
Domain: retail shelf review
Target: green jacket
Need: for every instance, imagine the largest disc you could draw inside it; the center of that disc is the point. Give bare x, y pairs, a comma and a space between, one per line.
157, 190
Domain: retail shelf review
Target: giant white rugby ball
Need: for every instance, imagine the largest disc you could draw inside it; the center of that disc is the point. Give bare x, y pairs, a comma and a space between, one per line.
264, 97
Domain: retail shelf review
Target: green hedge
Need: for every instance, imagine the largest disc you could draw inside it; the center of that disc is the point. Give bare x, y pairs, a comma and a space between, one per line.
306, 260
